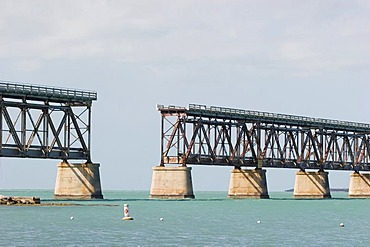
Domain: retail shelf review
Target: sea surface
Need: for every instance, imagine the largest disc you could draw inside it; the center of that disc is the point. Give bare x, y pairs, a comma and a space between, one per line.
209, 220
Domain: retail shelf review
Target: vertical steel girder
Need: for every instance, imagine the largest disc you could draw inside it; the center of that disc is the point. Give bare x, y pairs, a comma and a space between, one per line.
229, 142
42, 129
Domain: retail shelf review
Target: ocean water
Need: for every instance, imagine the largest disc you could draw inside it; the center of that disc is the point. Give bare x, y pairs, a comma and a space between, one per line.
209, 220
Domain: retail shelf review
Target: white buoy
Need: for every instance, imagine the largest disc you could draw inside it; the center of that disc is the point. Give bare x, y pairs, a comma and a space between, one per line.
258, 221
161, 219
126, 215
341, 225
72, 218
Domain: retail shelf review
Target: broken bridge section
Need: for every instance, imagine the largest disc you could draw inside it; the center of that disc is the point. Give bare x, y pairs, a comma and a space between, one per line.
219, 136
48, 123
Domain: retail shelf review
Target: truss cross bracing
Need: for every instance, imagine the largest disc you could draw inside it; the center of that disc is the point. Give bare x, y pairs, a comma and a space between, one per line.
45, 122
218, 136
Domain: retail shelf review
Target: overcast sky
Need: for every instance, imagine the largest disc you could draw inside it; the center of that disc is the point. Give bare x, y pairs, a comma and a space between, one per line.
297, 57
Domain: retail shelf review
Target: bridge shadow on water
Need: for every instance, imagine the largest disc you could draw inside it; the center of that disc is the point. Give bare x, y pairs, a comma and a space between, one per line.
133, 199
116, 200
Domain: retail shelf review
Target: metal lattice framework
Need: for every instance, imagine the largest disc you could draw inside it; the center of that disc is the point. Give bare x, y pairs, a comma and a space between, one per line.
45, 122
200, 135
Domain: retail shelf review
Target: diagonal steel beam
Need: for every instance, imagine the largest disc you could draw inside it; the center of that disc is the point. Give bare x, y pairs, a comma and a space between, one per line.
57, 132
210, 150
77, 128
172, 137
35, 131
12, 129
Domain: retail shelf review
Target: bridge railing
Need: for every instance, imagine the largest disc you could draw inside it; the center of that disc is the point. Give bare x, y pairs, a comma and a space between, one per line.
36, 90
278, 117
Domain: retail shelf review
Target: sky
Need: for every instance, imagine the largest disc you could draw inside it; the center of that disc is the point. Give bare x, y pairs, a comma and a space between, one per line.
308, 58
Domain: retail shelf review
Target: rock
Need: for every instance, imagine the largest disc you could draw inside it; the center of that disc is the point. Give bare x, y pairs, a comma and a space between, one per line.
21, 200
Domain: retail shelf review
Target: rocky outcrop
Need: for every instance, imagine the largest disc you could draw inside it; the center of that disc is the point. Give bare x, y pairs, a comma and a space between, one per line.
19, 200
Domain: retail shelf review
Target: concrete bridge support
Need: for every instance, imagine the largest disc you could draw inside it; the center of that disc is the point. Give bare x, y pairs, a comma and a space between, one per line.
311, 185
171, 183
248, 184
78, 181
359, 185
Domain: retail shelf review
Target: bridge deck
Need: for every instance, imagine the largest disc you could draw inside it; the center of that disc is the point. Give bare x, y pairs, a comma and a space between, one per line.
53, 94
266, 117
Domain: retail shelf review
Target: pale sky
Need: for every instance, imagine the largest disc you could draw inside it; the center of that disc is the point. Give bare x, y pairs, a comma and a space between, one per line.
308, 58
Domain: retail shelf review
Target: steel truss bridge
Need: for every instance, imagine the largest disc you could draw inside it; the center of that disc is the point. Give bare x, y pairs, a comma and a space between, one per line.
45, 122
218, 136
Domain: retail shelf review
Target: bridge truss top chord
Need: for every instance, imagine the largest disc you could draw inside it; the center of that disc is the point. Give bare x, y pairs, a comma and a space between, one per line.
45, 122
201, 135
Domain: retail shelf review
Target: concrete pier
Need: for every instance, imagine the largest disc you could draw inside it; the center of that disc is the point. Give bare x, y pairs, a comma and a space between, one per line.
311, 185
78, 181
248, 184
171, 183
359, 185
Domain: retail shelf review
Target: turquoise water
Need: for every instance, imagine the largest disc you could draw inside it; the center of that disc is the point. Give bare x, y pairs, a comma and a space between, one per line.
209, 220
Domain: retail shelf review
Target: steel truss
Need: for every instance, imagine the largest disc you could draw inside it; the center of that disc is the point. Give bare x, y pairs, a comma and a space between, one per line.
43, 126
204, 138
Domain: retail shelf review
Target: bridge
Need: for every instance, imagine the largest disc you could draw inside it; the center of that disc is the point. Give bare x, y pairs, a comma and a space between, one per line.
51, 123
218, 136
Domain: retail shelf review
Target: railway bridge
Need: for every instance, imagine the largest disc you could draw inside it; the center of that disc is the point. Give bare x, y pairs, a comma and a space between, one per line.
249, 141
43, 122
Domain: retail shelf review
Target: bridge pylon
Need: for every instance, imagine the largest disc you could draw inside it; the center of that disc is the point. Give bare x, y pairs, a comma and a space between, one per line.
359, 185
311, 185
78, 181
171, 183
246, 183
